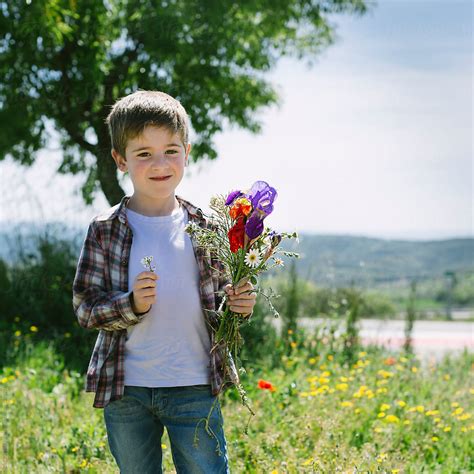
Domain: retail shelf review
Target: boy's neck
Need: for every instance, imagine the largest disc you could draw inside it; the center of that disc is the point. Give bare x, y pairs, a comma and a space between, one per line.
156, 208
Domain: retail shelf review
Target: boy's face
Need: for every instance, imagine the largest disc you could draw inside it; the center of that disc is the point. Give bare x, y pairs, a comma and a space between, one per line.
157, 152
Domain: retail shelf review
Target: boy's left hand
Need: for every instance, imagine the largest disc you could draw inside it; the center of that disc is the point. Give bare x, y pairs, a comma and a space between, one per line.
241, 300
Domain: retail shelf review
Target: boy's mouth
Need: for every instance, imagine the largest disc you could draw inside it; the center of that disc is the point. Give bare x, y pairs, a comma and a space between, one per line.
160, 178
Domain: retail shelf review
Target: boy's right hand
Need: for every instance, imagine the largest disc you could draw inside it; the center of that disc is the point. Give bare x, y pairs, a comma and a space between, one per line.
144, 292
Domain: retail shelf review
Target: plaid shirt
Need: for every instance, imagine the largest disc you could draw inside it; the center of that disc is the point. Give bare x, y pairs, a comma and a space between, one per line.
101, 300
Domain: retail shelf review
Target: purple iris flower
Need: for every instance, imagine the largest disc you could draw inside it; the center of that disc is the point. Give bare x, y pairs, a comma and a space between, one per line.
254, 226
232, 197
261, 195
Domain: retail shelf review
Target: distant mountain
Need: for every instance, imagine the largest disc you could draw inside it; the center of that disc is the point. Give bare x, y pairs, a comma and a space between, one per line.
337, 260
328, 260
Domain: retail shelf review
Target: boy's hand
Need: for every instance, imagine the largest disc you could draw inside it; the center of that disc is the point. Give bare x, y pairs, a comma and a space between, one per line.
144, 292
240, 300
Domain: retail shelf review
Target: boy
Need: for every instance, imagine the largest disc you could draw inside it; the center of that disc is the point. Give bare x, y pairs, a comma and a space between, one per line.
151, 366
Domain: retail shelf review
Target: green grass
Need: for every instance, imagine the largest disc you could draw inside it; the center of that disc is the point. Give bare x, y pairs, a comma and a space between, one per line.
324, 415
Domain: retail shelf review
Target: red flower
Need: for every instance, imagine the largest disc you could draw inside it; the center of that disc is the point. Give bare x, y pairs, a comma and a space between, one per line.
241, 207
264, 385
390, 361
236, 235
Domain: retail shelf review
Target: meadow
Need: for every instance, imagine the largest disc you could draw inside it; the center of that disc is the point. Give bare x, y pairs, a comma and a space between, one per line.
322, 412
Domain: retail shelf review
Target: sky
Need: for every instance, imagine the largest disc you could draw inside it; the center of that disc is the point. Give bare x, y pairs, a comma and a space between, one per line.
375, 139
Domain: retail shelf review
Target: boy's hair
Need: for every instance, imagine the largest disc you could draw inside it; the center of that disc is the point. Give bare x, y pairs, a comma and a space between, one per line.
131, 114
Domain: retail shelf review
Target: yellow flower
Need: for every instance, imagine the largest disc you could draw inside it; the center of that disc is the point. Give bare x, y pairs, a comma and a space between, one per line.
414, 369
346, 404
384, 407
392, 419
458, 411
304, 394
381, 457
447, 428
401, 403
4, 380
17, 333
33, 329
403, 359
326, 373
307, 462
362, 354
381, 414
312, 361
471, 391
399, 367
464, 417
343, 379
395, 471
163, 446
455, 404
342, 387
75, 449
420, 408
377, 429
357, 410
407, 422
436, 420
290, 331
275, 471
446, 376
293, 344
434, 439
330, 357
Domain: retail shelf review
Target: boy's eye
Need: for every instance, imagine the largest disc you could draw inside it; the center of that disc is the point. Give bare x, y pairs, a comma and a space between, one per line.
167, 151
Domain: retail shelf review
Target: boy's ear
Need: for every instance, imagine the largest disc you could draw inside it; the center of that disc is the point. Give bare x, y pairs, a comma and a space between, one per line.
186, 160
120, 161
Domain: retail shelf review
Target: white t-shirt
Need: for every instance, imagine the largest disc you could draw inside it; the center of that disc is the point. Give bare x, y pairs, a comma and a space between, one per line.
170, 347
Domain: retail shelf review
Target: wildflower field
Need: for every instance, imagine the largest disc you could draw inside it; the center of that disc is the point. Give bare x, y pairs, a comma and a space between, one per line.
315, 412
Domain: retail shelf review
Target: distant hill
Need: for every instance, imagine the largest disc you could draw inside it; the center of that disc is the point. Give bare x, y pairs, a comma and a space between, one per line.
337, 260
327, 260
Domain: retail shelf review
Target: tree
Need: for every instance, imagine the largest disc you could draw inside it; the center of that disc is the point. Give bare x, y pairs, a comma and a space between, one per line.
70, 60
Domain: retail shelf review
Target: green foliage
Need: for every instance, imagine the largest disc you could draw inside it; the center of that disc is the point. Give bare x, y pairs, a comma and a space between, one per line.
290, 316
77, 58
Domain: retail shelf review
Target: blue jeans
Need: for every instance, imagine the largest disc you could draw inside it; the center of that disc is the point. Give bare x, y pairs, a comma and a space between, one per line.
136, 422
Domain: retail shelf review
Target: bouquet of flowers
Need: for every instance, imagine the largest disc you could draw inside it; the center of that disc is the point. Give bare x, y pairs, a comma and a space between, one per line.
238, 238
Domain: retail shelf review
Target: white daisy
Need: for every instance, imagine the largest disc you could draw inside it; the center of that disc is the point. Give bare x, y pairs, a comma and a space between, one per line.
279, 262
253, 258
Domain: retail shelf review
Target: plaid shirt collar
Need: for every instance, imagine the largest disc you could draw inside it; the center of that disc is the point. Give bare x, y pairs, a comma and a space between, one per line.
120, 210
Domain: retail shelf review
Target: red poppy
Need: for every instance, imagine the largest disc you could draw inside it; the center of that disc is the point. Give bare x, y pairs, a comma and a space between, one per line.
264, 385
236, 235
390, 361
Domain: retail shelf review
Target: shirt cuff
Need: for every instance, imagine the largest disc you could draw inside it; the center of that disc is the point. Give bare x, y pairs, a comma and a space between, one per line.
124, 307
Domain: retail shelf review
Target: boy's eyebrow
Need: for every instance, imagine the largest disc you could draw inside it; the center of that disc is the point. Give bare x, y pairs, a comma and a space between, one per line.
149, 147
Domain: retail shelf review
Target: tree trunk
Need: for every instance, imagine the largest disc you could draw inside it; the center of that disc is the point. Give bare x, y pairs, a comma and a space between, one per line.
107, 172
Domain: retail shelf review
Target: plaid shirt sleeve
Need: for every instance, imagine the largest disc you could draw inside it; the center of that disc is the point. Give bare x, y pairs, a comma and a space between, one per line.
93, 305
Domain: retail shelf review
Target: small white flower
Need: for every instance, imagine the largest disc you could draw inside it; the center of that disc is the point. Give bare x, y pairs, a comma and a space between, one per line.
146, 262
253, 258
279, 262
